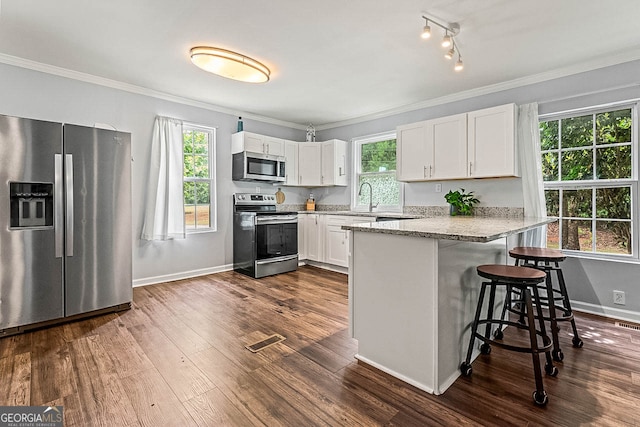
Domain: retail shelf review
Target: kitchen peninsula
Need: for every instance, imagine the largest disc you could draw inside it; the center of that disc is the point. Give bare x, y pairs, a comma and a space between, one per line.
413, 291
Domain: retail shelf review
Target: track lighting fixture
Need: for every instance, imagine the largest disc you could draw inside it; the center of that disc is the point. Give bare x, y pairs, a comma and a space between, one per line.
448, 41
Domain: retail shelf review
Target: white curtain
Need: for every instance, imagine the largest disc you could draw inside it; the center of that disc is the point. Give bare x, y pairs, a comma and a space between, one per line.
531, 171
164, 212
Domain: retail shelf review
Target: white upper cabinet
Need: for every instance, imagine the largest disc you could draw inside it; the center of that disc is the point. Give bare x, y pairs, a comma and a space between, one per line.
479, 144
334, 162
411, 152
492, 148
309, 164
291, 162
255, 143
447, 145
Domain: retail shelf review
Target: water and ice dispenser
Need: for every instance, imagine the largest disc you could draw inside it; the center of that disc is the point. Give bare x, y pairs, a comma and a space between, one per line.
31, 204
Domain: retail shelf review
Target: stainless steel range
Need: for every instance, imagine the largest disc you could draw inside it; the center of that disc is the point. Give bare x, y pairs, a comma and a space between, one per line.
265, 241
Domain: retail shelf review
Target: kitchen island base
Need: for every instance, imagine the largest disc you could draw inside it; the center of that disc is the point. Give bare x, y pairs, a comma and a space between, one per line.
412, 301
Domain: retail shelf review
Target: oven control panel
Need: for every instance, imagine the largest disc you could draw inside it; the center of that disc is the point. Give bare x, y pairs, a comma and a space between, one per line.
254, 199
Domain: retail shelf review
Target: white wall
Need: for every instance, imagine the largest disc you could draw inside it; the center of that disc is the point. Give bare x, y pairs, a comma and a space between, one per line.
32, 94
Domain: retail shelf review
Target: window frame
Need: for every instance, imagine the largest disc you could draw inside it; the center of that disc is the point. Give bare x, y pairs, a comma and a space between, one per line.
357, 144
211, 180
594, 183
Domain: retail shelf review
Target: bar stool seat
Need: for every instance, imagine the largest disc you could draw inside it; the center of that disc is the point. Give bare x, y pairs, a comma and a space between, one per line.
556, 298
526, 281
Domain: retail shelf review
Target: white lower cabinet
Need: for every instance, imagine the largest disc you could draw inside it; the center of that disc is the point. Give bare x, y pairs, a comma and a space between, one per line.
324, 240
315, 226
302, 238
336, 243
336, 250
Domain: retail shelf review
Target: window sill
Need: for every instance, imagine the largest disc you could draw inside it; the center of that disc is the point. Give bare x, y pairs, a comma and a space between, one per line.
622, 259
201, 231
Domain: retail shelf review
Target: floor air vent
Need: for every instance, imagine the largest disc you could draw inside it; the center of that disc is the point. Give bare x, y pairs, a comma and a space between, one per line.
262, 344
628, 326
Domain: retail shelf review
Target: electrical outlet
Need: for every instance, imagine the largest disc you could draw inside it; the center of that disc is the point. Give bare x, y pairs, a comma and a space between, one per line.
438, 188
618, 297
257, 190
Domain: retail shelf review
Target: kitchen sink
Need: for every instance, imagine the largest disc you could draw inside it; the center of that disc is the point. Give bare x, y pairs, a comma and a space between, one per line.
389, 218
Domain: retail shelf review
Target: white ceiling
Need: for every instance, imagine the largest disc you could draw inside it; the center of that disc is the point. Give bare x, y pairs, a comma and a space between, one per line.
332, 61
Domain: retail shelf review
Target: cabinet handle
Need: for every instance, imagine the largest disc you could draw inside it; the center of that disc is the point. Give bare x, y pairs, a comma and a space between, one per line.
430, 171
470, 165
424, 172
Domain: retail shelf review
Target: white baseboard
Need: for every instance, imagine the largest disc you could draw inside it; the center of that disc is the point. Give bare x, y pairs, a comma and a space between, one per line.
330, 267
612, 312
182, 275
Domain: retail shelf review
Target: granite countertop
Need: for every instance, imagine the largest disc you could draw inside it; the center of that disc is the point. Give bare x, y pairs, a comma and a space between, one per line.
364, 213
470, 229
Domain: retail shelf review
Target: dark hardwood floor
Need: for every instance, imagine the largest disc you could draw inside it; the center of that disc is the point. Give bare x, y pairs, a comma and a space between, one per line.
178, 358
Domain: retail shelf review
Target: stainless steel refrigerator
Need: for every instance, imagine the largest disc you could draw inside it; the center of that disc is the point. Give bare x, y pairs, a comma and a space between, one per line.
65, 222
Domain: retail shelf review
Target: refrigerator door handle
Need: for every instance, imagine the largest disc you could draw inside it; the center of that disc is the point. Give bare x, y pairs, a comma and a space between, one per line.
68, 180
58, 214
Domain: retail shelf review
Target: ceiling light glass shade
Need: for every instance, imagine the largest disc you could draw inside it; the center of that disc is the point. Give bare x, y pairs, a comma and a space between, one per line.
230, 64
426, 32
446, 40
450, 53
459, 65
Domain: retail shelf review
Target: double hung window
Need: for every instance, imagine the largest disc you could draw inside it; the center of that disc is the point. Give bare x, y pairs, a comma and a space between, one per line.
198, 181
375, 165
589, 168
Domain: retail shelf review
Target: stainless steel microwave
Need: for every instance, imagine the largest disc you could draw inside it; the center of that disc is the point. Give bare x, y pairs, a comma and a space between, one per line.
248, 166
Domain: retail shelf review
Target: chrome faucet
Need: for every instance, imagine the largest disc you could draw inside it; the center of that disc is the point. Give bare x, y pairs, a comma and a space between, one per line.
371, 206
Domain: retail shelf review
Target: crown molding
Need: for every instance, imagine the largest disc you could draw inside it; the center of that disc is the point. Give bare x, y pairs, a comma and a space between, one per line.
139, 90
591, 65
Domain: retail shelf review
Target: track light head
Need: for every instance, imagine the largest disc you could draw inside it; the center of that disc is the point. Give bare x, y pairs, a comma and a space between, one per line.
459, 65
426, 31
450, 53
446, 40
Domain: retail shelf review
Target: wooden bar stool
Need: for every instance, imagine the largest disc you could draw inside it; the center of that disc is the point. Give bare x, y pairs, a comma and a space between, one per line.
556, 299
526, 281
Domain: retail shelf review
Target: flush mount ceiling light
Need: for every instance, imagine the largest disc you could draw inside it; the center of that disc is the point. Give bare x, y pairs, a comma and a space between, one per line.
229, 64
448, 41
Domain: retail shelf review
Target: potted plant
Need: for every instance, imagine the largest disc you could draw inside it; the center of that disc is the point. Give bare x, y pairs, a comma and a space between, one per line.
461, 202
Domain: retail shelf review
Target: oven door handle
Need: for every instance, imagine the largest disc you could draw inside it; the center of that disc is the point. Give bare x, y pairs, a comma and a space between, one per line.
276, 219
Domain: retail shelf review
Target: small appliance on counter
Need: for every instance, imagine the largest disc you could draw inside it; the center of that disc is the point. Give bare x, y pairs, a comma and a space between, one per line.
265, 241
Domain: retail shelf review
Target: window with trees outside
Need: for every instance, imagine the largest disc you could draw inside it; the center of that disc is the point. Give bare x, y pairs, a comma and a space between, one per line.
590, 180
198, 181
375, 164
